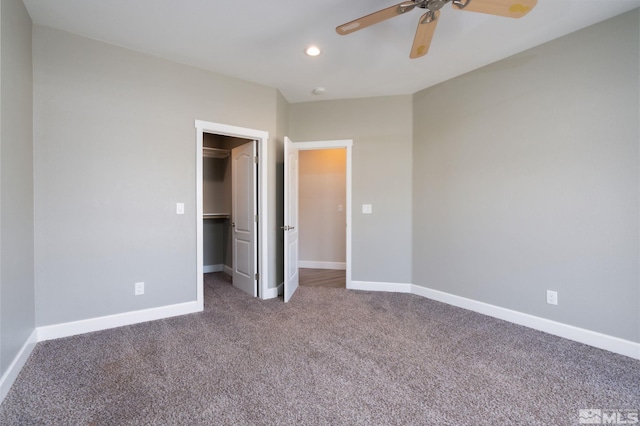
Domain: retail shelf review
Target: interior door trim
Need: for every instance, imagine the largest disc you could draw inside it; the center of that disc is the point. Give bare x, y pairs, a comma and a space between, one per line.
348, 145
263, 212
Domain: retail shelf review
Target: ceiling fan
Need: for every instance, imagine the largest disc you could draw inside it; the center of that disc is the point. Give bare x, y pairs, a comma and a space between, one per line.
428, 21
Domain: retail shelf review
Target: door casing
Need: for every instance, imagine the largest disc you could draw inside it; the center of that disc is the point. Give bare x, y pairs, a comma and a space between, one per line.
262, 260
336, 144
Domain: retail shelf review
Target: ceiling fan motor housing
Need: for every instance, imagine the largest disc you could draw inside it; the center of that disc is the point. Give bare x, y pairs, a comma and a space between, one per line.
433, 5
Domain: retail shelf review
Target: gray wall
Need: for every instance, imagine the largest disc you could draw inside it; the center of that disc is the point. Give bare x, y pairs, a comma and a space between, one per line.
381, 129
216, 241
114, 152
322, 187
526, 179
17, 316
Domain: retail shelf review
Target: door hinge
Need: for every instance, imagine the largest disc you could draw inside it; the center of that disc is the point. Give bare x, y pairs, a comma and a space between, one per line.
256, 218
255, 159
257, 277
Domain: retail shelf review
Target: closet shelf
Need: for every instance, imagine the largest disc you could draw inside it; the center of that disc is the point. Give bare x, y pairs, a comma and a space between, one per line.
206, 216
214, 152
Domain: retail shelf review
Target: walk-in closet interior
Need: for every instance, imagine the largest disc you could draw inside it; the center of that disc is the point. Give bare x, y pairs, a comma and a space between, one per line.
216, 198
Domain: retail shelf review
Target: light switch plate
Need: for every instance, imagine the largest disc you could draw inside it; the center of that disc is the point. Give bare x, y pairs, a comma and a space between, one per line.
179, 208
367, 209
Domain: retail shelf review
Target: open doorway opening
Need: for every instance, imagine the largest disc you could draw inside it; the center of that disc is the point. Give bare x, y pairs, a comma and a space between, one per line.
229, 200
291, 226
322, 184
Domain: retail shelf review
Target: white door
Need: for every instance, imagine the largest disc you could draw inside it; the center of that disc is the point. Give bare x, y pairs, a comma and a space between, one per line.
243, 218
290, 219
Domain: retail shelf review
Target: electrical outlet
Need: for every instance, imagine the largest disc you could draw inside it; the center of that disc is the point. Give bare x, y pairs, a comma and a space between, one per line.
552, 297
139, 289
179, 208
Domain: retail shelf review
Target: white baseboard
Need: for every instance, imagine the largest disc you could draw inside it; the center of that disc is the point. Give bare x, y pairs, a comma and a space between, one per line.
56, 331
118, 320
582, 335
588, 337
322, 265
228, 270
16, 365
206, 269
376, 286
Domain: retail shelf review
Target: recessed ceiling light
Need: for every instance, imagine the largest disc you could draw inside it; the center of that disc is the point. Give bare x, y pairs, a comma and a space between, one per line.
312, 51
318, 91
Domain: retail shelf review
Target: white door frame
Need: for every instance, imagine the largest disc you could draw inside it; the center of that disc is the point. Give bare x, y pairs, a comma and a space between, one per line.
336, 144
263, 247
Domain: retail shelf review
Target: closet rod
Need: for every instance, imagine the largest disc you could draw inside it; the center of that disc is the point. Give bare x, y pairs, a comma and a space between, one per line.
214, 152
216, 215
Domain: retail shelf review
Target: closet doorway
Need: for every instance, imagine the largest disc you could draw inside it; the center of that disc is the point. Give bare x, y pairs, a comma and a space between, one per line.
231, 206
229, 200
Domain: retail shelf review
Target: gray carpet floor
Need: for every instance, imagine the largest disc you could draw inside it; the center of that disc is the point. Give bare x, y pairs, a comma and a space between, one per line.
329, 357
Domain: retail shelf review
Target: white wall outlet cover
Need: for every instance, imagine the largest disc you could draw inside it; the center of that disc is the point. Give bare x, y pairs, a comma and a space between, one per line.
139, 288
367, 209
552, 297
179, 208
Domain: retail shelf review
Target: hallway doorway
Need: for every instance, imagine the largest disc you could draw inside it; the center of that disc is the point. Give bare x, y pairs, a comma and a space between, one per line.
292, 265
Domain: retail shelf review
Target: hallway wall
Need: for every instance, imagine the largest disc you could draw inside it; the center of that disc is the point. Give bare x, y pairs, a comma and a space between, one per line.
381, 129
322, 188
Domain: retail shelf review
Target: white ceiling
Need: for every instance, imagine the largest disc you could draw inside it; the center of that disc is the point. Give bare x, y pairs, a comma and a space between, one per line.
263, 41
